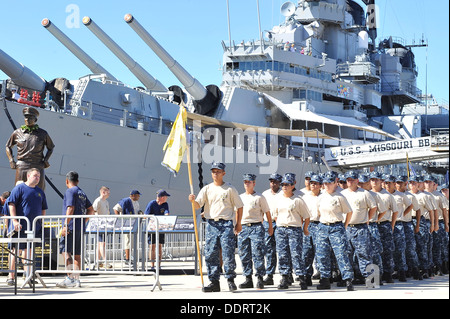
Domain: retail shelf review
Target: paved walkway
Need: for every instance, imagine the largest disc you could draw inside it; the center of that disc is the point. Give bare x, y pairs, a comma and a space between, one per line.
183, 285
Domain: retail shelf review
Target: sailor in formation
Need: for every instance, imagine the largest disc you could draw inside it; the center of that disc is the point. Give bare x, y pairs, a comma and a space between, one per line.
223, 212
251, 243
343, 223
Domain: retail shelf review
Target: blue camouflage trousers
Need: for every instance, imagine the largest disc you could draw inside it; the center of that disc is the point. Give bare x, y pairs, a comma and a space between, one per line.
309, 249
220, 234
359, 248
399, 247
271, 248
422, 242
376, 245
289, 250
438, 238
444, 238
251, 249
387, 240
333, 238
412, 260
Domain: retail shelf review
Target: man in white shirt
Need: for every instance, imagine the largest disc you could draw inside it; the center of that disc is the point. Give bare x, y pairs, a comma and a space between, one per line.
101, 207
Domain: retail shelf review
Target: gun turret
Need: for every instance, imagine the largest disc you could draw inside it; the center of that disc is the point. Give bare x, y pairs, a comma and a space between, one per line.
206, 99
149, 81
76, 50
20, 74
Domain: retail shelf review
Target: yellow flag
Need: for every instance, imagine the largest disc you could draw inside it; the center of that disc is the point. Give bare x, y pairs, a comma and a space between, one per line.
176, 143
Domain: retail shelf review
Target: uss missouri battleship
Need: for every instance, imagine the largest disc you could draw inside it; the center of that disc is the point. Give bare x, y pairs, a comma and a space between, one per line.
319, 79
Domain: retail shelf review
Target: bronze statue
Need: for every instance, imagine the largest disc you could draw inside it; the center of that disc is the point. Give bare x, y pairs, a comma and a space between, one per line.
31, 142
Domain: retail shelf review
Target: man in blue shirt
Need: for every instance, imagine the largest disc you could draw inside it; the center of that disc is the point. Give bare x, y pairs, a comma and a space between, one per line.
128, 206
158, 207
27, 200
76, 203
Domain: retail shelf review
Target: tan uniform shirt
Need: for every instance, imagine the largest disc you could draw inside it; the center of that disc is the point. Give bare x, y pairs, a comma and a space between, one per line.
271, 199
424, 203
381, 205
311, 203
220, 202
390, 204
441, 202
360, 202
415, 208
255, 207
290, 211
402, 202
332, 207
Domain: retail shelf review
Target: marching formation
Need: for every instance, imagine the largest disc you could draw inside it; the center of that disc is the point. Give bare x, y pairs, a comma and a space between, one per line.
346, 227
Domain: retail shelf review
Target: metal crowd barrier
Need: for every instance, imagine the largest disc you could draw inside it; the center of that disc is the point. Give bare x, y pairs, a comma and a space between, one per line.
110, 233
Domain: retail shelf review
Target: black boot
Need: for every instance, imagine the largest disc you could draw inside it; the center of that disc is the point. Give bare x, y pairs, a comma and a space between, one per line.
231, 285
401, 276
309, 281
303, 284
284, 283
214, 286
349, 285
260, 283
248, 283
387, 277
269, 280
445, 268
416, 274
324, 283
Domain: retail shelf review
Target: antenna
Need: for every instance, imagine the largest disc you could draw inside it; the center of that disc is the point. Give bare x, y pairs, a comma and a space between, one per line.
288, 9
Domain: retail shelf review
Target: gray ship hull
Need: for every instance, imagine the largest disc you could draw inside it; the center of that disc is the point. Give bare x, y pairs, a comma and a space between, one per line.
123, 159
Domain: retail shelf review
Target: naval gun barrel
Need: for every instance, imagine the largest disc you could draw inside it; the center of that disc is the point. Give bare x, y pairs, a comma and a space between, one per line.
149, 81
206, 99
76, 50
20, 74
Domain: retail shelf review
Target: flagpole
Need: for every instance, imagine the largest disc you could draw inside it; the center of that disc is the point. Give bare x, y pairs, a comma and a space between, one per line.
199, 255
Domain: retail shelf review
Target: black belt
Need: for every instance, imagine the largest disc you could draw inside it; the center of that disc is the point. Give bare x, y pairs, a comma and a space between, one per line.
332, 224
251, 224
356, 225
382, 223
315, 222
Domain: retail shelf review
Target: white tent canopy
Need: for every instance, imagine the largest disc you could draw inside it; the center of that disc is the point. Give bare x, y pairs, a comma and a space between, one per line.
298, 115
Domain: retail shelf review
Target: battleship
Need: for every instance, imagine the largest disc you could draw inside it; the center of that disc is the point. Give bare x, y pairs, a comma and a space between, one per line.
318, 80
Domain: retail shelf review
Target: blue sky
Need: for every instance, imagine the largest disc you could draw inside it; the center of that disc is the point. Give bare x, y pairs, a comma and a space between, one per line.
192, 31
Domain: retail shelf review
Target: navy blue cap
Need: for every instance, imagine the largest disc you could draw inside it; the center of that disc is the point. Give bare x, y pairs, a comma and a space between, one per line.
377, 175
389, 178
309, 174
290, 175
445, 186
429, 177
363, 178
351, 174
288, 180
332, 174
218, 165
401, 179
415, 178
342, 178
249, 177
135, 192
276, 177
329, 179
316, 178
162, 193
